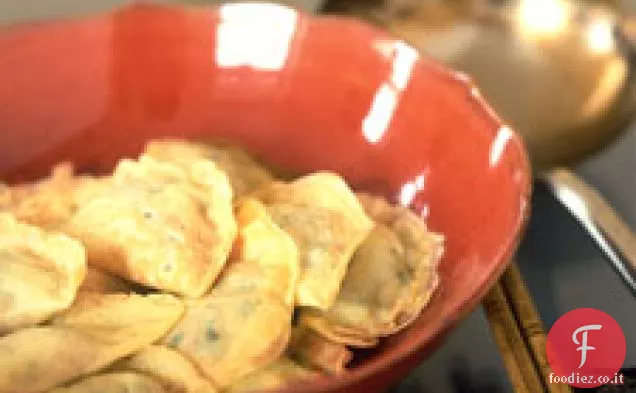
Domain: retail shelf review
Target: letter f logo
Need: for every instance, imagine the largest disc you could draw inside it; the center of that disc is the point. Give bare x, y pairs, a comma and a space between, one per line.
583, 344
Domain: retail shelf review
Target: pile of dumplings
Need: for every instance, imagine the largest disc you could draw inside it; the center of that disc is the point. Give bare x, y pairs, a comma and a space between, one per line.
193, 269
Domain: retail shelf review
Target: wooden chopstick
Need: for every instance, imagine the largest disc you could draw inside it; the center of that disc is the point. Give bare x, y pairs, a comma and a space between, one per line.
516, 357
520, 334
530, 323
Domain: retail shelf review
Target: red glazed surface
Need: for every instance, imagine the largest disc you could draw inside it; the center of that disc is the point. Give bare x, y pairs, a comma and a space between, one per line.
303, 93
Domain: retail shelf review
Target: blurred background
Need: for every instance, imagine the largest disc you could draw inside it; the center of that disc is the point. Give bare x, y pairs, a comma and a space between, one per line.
563, 74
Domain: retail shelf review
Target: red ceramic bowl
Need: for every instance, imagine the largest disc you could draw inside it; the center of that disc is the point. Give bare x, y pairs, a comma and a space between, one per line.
304, 93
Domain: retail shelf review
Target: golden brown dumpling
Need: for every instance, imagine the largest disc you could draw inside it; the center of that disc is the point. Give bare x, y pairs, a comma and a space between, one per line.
277, 375
265, 258
127, 382
245, 173
244, 323
311, 349
96, 331
390, 279
161, 225
46, 203
169, 367
40, 273
51, 202
327, 222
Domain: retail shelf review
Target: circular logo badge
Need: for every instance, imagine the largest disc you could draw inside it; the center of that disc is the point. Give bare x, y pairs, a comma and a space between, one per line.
585, 348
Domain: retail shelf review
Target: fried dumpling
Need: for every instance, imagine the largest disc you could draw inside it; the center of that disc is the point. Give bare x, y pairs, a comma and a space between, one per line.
50, 202
169, 367
127, 382
265, 258
245, 173
390, 279
93, 333
325, 190
327, 222
311, 349
40, 273
162, 226
275, 376
244, 323
46, 203
228, 336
